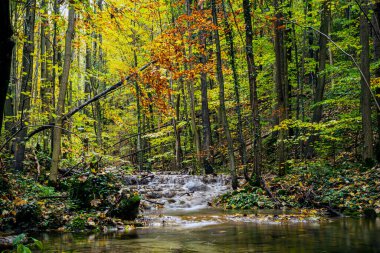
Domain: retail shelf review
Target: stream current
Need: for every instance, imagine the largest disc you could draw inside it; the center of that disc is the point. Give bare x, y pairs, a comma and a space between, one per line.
178, 219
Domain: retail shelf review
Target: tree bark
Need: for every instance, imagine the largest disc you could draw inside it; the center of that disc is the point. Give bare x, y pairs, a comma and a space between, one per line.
190, 90
222, 104
281, 85
177, 134
232, 61
61, 97
256, 175
26, 83
365, 101
6, 45
46, 79
321, 77
376, 45
207, 141
321, 80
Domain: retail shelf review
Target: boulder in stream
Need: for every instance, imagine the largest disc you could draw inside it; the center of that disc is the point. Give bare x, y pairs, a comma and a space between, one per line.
194, 186
127, 208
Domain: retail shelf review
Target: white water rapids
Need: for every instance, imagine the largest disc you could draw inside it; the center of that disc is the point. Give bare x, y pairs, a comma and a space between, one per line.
173, 191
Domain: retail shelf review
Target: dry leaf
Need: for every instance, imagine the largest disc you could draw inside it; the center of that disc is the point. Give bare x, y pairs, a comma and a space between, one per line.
82, 178
95, 202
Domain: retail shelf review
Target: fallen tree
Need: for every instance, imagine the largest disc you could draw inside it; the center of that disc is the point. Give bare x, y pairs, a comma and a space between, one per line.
89, 101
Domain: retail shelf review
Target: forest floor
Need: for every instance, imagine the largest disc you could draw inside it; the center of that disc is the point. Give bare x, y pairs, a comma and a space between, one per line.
340, 191
98, 200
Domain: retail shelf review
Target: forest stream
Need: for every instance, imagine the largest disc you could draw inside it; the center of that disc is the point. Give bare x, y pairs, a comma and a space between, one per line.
177, 219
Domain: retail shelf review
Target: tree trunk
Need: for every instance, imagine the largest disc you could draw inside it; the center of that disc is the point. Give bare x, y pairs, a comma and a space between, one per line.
61, 97
45, 88
6, 45
220, 78
138, 106
207, 141
26, 83
190, 90
321, 78
365, 101
232, 60
256, 175
281, 85
376, 45
177, 134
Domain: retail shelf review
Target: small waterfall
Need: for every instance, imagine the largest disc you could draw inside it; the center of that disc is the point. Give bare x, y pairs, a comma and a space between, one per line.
176, 191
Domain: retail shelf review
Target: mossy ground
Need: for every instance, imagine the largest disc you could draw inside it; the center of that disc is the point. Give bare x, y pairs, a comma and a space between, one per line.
344, 190
90, 201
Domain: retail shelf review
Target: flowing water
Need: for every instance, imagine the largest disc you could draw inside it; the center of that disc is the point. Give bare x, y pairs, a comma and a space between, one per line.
178, 220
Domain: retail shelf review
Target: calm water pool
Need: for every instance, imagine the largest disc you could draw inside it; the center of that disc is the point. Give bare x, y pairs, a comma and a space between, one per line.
338, 235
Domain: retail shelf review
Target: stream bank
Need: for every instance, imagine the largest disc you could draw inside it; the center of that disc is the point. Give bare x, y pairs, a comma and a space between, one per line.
108, 201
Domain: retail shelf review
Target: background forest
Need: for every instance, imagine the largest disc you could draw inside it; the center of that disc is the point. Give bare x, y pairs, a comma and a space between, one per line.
249, 88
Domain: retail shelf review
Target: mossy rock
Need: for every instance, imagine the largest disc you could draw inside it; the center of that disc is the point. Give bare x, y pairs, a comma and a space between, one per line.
370, 213
85, 189
53, 220
127, 208
28, 214
4, 185
77, 224
351, 212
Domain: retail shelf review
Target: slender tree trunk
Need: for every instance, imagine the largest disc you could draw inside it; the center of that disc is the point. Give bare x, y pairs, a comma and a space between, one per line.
365, 101
281, 85
299, 88
11, 100
190, 90
232, 60
220, 78
138, 106
177, 134
256, 175
321, 78
26, 83
61, 97
6, 45
56, 63
207, 141
376, 45
45, 88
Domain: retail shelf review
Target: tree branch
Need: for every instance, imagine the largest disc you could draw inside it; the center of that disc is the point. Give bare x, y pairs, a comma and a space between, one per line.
91, 100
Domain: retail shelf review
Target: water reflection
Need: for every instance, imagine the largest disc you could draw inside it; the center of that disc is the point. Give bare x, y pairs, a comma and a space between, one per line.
340, 235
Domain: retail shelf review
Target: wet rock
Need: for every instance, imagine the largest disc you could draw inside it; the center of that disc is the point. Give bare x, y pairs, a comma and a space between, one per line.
158, 189
153, 195
8, 242
127, 208
193, 186
143, 191
370, 213
168, 194
146, 179
132, 180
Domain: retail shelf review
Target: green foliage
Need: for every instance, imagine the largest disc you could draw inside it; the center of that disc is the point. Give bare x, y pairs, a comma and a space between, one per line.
28, 214
21, 245
346, 188
78, 223
85, 188
127, 208
246, 198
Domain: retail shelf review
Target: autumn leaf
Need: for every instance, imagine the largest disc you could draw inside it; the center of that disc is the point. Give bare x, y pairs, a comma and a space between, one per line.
95, 202
19, 202
82, 178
